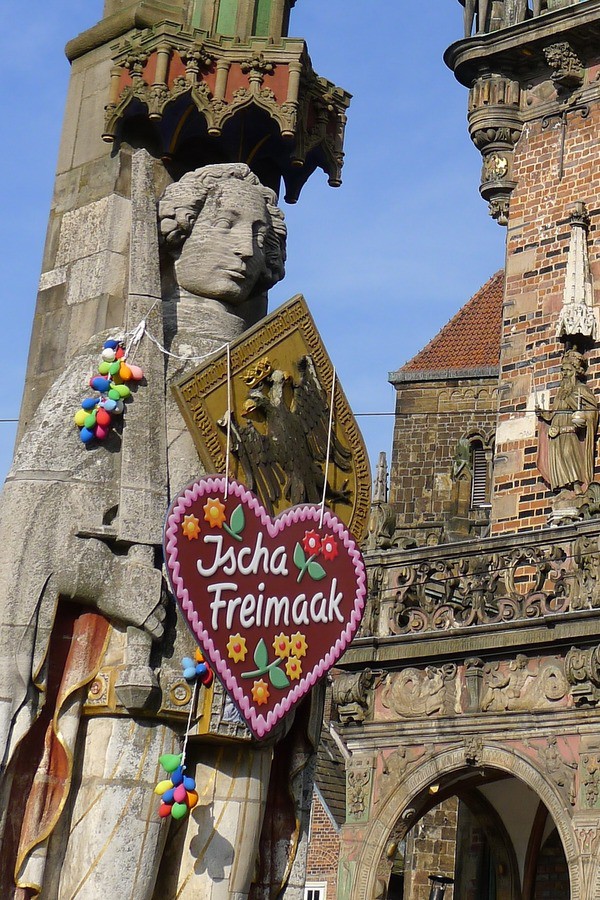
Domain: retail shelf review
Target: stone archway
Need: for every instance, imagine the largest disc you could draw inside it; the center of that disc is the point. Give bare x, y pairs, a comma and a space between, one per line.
400, 811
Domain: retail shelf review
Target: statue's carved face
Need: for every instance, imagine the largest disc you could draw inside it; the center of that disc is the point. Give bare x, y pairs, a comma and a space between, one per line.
224, 257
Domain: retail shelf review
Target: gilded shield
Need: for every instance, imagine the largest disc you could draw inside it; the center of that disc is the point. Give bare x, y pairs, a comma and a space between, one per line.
270, 398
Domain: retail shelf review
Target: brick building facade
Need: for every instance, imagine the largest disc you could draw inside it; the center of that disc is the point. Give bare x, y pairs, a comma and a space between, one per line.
474, 683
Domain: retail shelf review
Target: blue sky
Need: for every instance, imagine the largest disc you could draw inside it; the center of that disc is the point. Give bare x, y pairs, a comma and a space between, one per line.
384, 261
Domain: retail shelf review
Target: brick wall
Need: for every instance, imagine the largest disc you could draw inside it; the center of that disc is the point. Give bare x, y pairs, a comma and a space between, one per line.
431, 417
538, 242
552, 877
430, 850
324, 848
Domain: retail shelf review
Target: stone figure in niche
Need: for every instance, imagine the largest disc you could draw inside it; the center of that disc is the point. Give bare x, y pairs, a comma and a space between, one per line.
568, 431
83, 783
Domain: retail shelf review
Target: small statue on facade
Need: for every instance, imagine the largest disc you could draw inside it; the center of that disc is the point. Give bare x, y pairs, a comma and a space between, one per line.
568, 432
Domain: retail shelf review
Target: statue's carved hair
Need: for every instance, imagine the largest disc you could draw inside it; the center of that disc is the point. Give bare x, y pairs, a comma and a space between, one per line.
182, 202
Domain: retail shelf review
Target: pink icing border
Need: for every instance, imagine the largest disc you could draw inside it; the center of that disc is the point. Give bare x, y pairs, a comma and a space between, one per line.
260, 724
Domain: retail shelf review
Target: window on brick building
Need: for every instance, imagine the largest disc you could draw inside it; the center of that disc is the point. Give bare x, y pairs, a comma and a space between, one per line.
480, 476
315, 890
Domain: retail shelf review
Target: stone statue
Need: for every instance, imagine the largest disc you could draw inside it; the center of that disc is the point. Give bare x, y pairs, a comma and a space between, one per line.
567, 444
78, 815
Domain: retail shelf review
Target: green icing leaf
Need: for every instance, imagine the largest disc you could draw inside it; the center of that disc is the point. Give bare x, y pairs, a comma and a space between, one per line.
316, 571
261, 655
278, 678
237, 521
299, 557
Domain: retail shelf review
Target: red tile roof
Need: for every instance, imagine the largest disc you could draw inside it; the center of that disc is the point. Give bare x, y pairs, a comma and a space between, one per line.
471, 339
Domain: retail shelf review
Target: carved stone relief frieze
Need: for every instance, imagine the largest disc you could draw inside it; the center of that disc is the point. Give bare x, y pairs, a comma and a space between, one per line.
485, 589
414, 693
522, 685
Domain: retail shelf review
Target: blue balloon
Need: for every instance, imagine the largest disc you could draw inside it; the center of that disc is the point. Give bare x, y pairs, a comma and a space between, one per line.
109, 405
201, 669
86, 435
100, 384
187, 663
177, 776
89, 402
190, 673
169, 796
110, 345
189, 783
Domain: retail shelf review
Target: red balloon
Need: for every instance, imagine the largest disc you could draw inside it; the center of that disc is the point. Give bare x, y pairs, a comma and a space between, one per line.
164, 810
103, 418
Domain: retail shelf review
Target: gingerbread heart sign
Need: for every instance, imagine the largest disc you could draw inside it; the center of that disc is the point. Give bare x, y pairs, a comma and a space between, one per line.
272, 602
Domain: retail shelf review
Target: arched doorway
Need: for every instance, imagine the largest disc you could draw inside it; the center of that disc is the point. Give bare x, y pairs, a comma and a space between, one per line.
498, 830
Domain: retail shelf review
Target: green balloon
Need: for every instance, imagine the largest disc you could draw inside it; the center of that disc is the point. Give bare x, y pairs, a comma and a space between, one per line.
114, 367
114, 394
90, 420
179, 810
170, 761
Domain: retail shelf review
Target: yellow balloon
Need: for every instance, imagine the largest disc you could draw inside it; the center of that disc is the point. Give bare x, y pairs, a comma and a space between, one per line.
80, 417
163, 786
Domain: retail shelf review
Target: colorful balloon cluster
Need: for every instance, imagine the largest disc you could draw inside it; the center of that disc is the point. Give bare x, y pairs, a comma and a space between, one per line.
95, 416
177, 793
197, 668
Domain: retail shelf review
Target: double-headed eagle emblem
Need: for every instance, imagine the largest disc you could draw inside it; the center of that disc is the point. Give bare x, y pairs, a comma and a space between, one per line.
283, 442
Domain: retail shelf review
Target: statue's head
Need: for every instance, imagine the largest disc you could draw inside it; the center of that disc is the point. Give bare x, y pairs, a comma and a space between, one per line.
225, 232
574, 363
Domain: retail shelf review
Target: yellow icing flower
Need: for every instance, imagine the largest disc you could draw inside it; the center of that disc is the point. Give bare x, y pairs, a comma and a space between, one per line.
260, 692
298, 645
293, 668
191, 527
236, 648
281, 646
214, 512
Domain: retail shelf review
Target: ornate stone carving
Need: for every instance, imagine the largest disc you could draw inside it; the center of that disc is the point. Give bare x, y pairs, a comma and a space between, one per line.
158, 66
582, 668
394, 768
515, 686
589, 778
495, 126
474, 680
382, 519
351, 696
577, 315
370, 621
359, 780
473, 750
415, 693
483, 589
560, 770
567, 68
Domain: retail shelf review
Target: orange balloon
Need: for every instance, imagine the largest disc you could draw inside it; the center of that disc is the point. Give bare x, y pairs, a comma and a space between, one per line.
192, 798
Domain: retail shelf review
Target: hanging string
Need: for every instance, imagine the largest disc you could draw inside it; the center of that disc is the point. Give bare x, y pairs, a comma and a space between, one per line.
329, 431
189, 722
228, 450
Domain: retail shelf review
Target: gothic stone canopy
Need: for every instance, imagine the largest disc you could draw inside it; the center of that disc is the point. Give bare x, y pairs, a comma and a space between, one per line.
203, 99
